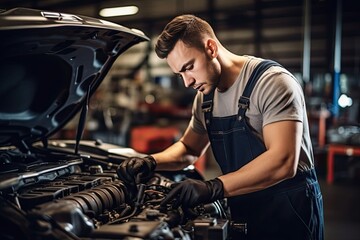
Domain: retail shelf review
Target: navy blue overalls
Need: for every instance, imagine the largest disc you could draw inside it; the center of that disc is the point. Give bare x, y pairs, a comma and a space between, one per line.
289, 210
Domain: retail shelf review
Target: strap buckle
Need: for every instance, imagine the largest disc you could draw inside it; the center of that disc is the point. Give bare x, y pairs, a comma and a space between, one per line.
243, 102
207, 106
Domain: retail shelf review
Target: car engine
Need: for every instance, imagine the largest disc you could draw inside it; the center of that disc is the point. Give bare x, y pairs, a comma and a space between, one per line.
54, 194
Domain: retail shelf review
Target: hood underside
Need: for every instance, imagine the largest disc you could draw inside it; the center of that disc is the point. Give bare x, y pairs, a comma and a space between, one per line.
50, 64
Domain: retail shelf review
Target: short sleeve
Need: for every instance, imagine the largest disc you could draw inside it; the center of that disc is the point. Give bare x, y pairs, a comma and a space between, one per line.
280, 97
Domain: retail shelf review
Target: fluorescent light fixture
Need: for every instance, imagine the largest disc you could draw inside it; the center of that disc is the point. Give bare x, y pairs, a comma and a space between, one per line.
118, 11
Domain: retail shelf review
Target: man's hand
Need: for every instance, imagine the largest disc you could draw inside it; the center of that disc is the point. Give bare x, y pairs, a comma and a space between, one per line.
191, 193
136, 170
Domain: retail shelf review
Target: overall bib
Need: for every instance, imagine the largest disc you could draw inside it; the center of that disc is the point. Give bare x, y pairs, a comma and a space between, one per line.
291, 209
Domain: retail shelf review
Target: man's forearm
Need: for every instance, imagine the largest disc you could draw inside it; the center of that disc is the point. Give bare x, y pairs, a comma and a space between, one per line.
175, 157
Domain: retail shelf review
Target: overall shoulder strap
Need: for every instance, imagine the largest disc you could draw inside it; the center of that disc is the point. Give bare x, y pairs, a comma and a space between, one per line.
207, 106
255, 75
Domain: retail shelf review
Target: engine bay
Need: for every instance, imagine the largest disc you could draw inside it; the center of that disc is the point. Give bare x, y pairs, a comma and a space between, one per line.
53, 194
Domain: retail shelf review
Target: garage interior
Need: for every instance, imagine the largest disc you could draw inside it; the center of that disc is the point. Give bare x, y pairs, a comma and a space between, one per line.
142, 105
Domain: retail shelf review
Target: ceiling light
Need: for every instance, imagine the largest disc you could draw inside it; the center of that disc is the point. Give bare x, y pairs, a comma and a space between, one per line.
118, 11
345, 101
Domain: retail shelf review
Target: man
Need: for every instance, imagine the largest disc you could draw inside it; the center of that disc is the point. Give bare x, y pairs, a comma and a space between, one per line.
258, 133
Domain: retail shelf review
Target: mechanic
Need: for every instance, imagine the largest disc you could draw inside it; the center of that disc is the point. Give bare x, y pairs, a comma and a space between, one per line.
252, 113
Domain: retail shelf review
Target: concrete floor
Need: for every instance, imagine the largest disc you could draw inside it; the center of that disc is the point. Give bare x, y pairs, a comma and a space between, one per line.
341, 209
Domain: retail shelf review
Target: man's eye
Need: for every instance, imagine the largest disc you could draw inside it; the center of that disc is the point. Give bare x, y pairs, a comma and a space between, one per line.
178, 76
189, 67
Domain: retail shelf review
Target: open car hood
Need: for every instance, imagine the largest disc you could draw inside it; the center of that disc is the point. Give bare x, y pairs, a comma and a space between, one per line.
50, 63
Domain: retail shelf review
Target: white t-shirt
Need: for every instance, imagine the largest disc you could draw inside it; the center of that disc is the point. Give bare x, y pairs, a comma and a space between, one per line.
277, 96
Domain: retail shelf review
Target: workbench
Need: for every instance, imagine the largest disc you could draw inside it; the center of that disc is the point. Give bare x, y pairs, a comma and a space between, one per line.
338, 149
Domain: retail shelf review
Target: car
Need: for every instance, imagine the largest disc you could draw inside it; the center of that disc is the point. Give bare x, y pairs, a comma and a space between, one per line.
51, 64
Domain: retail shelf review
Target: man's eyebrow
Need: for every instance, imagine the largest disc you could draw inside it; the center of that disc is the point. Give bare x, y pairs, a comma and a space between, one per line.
183, 68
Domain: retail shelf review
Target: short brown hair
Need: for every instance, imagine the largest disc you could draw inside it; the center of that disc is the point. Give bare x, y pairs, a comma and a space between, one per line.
187, 28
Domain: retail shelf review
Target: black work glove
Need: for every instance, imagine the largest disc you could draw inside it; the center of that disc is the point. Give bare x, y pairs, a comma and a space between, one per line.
191, 192
136, 170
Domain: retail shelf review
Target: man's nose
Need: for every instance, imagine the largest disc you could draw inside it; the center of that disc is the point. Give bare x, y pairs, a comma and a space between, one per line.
188, 80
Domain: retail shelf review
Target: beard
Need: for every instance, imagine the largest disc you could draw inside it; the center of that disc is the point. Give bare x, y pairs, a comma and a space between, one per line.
214, 76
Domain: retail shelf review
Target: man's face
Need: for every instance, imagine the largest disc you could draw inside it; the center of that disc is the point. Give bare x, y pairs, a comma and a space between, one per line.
197, 68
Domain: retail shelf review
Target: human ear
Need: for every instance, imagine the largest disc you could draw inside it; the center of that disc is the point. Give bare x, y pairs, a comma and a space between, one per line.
211, 48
